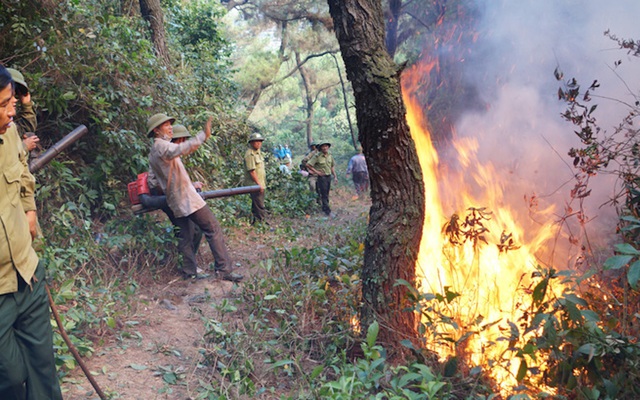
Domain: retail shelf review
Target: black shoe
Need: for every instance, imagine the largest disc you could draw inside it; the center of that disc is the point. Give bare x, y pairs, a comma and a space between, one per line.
230, 276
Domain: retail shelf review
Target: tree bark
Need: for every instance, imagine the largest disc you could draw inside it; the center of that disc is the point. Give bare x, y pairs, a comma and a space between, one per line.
152, 12
308, 99
397, 211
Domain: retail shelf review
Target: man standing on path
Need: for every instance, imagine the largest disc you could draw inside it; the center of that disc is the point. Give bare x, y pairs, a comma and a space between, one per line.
182, 197
180, 135
254, 174
27, 364
323, 165
358, 168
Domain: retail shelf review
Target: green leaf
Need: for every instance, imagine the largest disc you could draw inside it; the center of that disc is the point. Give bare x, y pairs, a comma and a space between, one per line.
589, 349
282, 363
590, 316
626, 248
270, 297
170, 378
407, 343
522, 370
69, 96
617, 262
138, 367
316, 371
575, 299
539, 292
634, 274
372, 333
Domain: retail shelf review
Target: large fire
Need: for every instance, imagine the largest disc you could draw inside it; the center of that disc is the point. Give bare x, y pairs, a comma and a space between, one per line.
474, 244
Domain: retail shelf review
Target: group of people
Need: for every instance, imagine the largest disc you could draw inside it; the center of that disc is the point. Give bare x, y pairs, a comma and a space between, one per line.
27, 365
319, 166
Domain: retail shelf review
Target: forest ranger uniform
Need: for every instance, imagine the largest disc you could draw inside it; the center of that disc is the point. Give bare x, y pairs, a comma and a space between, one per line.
27, 364
325, 164
254, 161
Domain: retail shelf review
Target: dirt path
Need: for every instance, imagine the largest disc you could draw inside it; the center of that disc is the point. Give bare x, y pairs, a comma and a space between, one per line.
163, 336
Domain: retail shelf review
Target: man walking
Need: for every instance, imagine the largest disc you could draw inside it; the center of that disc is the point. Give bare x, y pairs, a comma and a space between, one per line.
182, 197
27, 364
323, 165
254, 174
358, 169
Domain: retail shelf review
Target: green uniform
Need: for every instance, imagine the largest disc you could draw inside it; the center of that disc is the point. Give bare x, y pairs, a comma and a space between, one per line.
27, 365
26, 118
254, 161
322, 162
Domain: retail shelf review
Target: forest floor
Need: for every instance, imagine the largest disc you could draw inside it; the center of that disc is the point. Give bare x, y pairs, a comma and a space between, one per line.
164, 334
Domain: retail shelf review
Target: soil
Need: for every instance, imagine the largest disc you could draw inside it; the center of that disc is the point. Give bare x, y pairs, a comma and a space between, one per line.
164, 332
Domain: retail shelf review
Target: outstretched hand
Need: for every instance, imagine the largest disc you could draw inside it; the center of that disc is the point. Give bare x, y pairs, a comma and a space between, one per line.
207, 128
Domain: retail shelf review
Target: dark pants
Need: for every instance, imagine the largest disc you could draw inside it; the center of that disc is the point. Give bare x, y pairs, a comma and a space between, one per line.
27, 365
361, 182
208, 224
257, 207
323, 187
195, 232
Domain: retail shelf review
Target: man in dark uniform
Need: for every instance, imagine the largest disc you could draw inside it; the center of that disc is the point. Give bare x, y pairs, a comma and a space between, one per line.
27, 364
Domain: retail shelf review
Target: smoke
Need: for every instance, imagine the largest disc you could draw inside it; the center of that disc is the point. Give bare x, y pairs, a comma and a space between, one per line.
520, 45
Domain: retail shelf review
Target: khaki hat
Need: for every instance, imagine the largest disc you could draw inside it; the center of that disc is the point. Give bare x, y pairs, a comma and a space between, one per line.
180, 131
157, 120
256, 137
322, 144
18, 77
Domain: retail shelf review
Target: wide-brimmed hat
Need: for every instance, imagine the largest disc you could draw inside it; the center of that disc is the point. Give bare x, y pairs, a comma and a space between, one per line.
322, 144
18, 77
156, 120
180, 131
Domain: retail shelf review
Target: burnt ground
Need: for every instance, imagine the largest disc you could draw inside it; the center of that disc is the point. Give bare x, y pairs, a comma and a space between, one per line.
163, 335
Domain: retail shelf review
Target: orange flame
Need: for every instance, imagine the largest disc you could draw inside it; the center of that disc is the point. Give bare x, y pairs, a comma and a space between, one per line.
486, 276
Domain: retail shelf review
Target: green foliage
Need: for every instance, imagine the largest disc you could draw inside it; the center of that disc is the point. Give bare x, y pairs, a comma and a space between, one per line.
373, 378
299, 307
582, 354
288, 194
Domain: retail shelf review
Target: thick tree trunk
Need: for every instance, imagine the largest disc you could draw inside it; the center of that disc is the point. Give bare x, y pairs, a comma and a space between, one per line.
152, 12
397, 193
